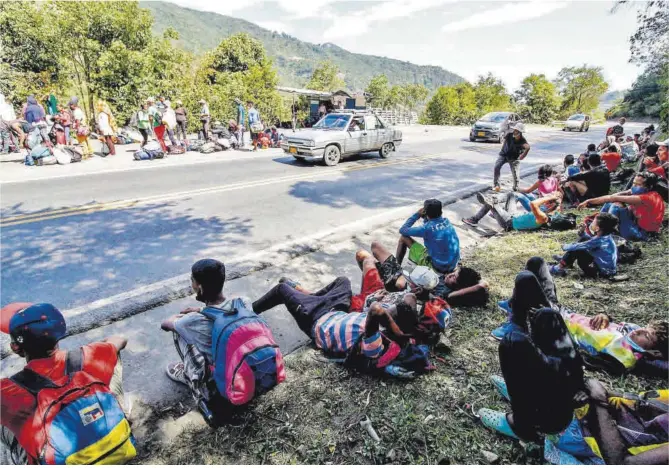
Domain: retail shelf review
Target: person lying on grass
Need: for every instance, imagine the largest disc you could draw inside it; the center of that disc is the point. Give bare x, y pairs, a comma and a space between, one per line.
374, 326
596, 256
462, 287
542, 210
614, 347
639, 211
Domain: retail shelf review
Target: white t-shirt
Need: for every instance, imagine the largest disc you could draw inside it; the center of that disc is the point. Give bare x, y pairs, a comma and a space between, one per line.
103, 123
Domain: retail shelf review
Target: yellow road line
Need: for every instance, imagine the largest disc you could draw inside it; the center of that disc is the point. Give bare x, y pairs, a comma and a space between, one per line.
122, 204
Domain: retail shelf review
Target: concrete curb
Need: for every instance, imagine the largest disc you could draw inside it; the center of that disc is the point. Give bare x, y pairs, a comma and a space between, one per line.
106, 311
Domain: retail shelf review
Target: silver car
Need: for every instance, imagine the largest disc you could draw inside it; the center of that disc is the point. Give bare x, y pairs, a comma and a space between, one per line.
580, 122
342, 134
493, 126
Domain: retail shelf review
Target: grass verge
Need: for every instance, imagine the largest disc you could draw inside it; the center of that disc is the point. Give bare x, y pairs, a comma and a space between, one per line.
314, 418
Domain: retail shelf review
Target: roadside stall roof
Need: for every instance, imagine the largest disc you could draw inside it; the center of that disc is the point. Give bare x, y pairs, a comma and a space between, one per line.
305, 92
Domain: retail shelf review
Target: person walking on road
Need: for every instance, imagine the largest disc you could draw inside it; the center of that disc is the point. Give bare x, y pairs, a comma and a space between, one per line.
181, 114
80, 128
106, 126
143, 123
514, 150
241, 122
204, 118
157, 123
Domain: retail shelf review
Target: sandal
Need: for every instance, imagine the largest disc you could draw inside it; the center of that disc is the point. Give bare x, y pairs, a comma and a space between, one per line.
496, 420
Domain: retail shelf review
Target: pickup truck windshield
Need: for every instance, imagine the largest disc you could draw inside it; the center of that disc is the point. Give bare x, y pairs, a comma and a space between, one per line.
333, 121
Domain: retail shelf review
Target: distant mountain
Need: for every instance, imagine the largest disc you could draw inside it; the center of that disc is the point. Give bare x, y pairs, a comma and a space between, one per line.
294, 59
607, 100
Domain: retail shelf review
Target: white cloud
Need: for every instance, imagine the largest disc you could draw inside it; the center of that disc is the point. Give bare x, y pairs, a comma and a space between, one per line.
277, 26
358, 23
506, 14
223, 8
301, 9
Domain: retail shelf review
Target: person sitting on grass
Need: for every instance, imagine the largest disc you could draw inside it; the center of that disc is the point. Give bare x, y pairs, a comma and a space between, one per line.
611, 158
596, 256
441, 251
592, 183
540, 215
639, 211
570, 168
35, 330
462, 287
615, 347
652, 162
542, 370
546, 184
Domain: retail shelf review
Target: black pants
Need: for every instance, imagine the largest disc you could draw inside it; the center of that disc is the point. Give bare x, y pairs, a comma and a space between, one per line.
306, 309
539, 268
145, 135
181, 130
585, 260
205, 128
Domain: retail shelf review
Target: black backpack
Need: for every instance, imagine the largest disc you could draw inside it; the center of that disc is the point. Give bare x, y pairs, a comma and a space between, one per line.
562, 222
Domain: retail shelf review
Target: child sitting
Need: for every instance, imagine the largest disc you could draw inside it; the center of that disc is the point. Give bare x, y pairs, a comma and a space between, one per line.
570, 168
596, 256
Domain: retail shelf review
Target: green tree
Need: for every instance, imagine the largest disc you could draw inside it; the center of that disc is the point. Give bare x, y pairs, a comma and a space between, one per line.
326, 77
413, 95
378, 90
580, 88
491, 94
451, 105
537, 99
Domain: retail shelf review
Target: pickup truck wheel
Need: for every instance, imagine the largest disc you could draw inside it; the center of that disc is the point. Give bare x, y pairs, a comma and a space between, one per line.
332, 155
385, 150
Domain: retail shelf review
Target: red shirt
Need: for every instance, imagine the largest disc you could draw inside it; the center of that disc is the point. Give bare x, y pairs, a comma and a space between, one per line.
17, 405
612, 160
650, 213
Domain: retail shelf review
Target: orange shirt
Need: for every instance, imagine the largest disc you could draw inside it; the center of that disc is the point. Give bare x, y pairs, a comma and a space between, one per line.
612, 160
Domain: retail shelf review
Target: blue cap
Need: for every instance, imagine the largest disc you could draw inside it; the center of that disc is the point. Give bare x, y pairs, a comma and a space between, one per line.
37, 321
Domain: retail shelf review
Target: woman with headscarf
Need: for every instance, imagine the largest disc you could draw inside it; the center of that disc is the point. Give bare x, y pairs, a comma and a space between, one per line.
34, 114
543, 372
106, 125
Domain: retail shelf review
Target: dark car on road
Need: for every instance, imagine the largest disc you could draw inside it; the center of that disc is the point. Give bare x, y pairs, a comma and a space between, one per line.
493, 126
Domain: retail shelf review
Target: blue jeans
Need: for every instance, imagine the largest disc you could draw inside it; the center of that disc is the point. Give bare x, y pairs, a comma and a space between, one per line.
29, 160
524, 198
627, 224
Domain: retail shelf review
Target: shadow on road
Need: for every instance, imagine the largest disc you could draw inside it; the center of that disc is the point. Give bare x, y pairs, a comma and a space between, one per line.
62, 261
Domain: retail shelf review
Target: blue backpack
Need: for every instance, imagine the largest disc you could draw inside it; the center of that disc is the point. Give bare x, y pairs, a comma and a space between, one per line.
247, 360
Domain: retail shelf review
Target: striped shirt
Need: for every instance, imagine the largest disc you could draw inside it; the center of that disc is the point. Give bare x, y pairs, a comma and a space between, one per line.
339, 331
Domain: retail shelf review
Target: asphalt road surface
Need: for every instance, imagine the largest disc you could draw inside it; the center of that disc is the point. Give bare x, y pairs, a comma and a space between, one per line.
73, 240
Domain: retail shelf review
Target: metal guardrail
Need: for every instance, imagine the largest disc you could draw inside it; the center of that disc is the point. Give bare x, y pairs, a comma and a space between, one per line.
396, 116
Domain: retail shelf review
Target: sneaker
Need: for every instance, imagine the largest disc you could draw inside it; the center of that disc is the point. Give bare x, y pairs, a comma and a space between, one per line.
289, 282
470, 222
176, 372
557, 271
483, 200
504, 306
499, 332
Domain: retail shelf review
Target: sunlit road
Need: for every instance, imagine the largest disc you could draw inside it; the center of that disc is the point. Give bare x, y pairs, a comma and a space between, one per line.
76, 239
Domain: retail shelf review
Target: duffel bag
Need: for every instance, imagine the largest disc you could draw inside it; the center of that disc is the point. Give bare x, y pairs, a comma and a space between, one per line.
224, 143
75, 152
47, 161
153, 146
40, 151
177, 149
141, 155
208, 148
62, 157
154, 154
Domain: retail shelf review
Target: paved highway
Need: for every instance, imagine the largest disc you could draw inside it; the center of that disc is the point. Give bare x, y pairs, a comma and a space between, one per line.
75, 239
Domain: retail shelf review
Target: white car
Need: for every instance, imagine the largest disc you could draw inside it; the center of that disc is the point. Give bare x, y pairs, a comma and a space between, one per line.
580, 122
340, 134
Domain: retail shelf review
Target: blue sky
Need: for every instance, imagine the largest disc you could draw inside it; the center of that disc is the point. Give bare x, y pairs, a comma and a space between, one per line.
509, 38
